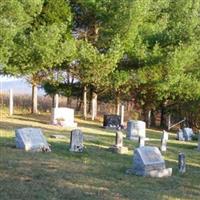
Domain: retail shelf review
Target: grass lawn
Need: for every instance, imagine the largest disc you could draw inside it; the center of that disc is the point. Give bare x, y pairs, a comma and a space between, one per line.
94, 174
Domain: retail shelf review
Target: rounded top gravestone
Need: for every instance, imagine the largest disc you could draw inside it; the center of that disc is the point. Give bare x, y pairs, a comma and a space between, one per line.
135, 129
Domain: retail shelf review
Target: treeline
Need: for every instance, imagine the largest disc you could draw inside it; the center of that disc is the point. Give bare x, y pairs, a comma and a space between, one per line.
145, 51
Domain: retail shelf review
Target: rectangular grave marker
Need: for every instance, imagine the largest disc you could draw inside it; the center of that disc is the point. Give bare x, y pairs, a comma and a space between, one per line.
31, 139
148, 161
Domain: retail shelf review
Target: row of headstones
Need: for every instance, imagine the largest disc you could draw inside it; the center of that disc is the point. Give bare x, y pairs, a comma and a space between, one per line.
32, 139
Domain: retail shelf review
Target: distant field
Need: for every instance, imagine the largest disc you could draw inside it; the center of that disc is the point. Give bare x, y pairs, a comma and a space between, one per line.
94, 174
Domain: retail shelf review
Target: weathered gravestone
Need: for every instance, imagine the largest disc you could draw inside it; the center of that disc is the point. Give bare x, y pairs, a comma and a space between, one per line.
118, 147
112, 121
164, 140
76, 141
31, 139
181, 163
148, 161
185, 134
63, 117
136, 129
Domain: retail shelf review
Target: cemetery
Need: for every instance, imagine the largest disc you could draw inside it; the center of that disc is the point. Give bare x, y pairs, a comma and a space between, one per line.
99, 100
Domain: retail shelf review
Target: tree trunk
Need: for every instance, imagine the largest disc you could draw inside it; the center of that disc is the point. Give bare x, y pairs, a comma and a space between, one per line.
55, 101
34, 99
162, 119
117, 104
94, 105
85, 102
153, 118
148, 118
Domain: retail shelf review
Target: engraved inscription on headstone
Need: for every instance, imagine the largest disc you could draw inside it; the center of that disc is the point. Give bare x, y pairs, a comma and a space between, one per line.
148, 161
31, 139
76, 141
136, 129
181, 163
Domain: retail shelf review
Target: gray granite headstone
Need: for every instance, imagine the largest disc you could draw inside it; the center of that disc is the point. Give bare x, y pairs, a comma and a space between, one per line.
136, 129
181, 163
76, 141
187, 133
147, 159
164, 140
31, 139
118, 147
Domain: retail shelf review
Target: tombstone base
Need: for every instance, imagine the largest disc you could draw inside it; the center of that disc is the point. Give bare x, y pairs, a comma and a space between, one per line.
119, 150
160, 173
58, 136
77, 149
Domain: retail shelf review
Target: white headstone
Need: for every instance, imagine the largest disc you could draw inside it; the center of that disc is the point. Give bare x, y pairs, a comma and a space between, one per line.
148, 161
63, 116
164, 140
31, 139
136, 129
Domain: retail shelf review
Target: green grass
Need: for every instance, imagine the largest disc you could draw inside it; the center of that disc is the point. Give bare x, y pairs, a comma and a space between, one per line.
94, 174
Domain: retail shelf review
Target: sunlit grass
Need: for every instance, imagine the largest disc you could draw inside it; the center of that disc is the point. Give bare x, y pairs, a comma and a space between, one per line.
94, 174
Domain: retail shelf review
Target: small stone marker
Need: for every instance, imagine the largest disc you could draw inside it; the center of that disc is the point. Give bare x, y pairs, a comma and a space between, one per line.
136, 129
164, 140
118, 147
112, 121
141, 141
31, 139
148, 161
181, 163
76, 141
198, 142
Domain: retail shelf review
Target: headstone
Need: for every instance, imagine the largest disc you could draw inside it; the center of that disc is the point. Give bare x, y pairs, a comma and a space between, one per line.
198, 142
164, 140
148, 161
141, 141
118, 147
136, 129
112, 121
63, 117
76, 141
181, 163
187, 133
180, 135
31, 139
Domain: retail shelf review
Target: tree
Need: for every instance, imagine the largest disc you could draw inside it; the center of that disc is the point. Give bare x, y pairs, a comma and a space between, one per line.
46, 42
